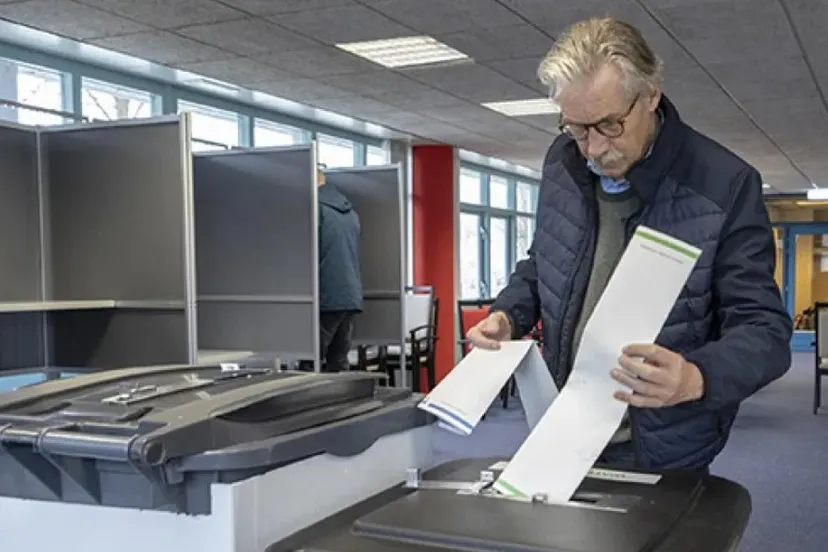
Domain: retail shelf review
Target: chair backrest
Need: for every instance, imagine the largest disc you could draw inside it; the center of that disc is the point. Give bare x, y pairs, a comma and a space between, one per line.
418, 307
821, 329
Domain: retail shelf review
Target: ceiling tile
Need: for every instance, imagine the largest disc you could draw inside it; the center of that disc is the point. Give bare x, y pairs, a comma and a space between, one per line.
718, 34
498, 43
554, 19
434, 17
473, 82
302, 90
319, 62
523, 70
370, 84
247, 37
546, 123
272, 7
342, 24
69, 19
419, 97
353, 106
404, 119
778, 80
162, 47
240, 71
168, 14
809, 17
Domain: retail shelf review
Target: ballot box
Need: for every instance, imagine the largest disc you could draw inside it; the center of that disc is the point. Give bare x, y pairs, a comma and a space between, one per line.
453, 507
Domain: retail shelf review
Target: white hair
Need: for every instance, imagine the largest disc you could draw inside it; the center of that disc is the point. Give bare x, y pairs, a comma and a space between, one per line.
587, 46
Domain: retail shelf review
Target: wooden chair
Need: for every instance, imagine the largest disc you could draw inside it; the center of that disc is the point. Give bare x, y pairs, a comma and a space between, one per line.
421, 314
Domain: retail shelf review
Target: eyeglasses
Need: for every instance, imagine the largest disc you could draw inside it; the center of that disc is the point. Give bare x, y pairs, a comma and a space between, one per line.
611, 127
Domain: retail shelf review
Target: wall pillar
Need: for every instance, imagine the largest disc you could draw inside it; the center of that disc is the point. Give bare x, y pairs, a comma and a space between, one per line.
433, 212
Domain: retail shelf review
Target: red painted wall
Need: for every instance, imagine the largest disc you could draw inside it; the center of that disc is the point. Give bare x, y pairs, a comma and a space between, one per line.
433, 240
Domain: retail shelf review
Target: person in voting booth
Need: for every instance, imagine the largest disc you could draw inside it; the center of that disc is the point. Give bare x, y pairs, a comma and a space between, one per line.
625, 158
340, 281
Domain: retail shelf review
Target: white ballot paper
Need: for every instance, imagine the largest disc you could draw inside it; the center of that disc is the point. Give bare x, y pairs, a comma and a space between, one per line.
463, 396
566, 443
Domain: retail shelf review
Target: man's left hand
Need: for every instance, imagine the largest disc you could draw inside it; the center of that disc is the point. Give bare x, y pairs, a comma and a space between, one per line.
656, 377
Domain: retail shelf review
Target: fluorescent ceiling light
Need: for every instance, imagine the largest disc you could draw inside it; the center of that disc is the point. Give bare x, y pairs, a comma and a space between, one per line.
404, 52
524, 108
766, 186
818, 194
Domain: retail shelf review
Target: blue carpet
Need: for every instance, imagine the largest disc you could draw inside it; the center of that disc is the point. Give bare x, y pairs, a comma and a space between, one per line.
777, 450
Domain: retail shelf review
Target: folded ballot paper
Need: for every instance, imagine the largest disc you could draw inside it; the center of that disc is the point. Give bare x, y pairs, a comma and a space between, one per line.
570, 432
465, 394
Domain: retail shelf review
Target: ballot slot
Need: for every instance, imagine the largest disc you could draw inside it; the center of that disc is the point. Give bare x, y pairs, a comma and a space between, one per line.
615, 501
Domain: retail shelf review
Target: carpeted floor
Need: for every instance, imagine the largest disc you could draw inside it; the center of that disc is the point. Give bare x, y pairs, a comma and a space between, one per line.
777, 450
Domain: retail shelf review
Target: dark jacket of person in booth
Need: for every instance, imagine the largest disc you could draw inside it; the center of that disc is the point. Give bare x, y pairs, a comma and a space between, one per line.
340, 280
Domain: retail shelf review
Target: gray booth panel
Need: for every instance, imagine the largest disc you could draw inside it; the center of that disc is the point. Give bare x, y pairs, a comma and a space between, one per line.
21, 340
254, 220
284, 329
111, 338
255, 236
19, 216
376, 194
116, 205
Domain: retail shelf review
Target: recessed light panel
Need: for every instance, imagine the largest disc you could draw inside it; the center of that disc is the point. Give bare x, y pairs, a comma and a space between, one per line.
524, 108
410, 51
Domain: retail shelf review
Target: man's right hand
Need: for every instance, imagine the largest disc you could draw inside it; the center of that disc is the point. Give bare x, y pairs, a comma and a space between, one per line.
489, 332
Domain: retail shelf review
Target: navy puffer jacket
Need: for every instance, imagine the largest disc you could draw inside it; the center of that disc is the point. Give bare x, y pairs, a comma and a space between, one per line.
729, 319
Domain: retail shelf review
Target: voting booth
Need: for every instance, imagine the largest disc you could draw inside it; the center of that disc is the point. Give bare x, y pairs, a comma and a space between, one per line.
551, 496
256, 241
377, 197
96, 233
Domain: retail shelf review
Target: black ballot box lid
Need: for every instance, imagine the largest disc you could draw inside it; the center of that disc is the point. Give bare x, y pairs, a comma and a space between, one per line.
156, 438
667, 512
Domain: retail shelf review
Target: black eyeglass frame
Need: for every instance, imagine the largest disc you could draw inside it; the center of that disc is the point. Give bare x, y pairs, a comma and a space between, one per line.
601, 127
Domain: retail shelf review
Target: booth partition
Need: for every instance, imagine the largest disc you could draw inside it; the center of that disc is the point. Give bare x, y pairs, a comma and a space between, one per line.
96, 227
121, 248
256, 251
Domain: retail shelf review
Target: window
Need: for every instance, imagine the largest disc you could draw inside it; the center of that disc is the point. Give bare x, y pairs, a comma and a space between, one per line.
470, 258
499, 192
499, 268
524, 231
335, 152
212, 128
375, 155
268, 134
470, 188
39, 87
527, 197
503, 208
103, 101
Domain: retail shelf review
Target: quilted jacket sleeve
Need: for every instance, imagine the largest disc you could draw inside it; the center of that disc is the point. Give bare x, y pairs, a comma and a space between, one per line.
753, 345
519, 299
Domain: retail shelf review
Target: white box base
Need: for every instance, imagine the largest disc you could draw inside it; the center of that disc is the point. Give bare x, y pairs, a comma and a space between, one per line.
247, 516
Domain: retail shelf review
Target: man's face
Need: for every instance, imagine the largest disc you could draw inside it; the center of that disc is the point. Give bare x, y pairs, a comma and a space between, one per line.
610, 128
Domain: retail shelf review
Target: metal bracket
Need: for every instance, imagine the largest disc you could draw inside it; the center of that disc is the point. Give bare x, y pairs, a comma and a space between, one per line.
414, 480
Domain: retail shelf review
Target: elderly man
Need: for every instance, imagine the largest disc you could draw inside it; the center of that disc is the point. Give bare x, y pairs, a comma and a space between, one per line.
625, 158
